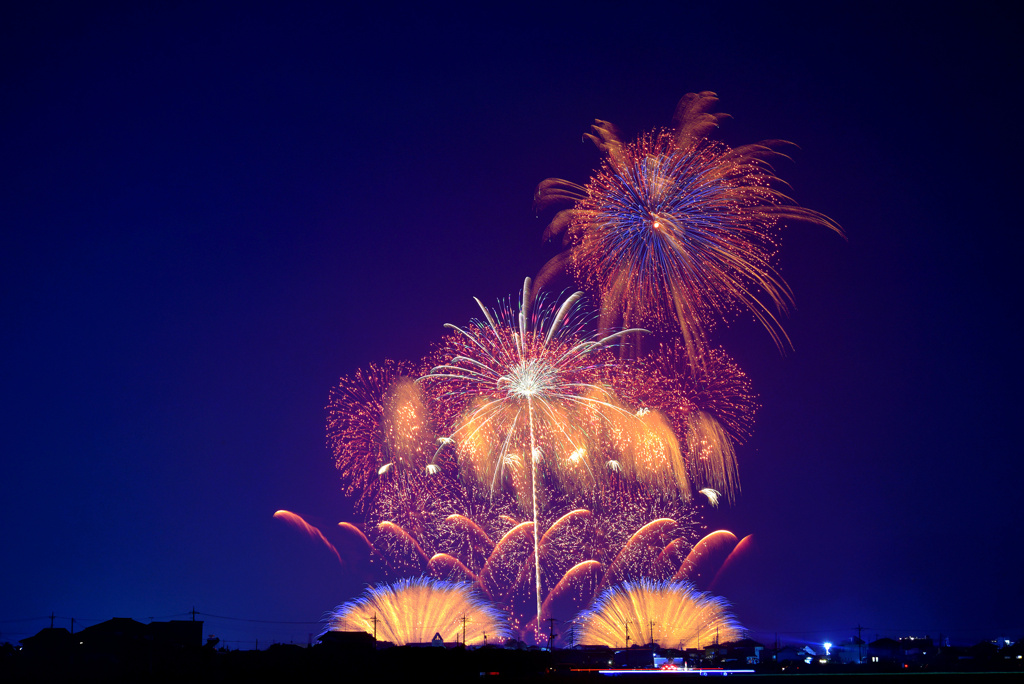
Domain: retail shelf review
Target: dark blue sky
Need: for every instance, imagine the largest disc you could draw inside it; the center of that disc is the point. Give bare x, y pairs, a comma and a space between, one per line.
211, 212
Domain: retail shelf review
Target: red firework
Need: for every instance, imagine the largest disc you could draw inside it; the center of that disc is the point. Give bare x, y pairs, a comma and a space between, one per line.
379, 432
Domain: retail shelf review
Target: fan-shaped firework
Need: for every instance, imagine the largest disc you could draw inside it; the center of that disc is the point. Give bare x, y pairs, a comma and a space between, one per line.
669, 613
674, 227
413, 610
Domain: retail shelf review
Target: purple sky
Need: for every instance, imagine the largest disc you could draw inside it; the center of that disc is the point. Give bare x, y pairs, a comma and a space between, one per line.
211, 212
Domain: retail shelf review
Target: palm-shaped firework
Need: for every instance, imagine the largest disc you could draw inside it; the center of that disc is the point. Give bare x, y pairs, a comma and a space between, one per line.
529, 384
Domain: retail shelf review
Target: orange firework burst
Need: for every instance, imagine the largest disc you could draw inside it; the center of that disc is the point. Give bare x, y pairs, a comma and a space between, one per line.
711, 405
519, 389
675, 227
668, 613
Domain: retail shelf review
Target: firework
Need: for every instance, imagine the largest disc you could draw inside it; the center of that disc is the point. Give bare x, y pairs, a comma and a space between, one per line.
359, 435
529, 382
527, 399
675, 228
670, 613
379, 431
666, 380
413, 610
312, 531
581, 552
522, 389
528, 464
710, 404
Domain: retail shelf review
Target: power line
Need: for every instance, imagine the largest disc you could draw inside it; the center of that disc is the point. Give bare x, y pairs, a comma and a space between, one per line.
269, 622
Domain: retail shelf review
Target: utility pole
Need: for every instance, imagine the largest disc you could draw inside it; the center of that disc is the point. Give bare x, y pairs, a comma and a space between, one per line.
51, 619
652, 631
464, 618
860, 644
551, 633
374, 631
193, 613
627, 633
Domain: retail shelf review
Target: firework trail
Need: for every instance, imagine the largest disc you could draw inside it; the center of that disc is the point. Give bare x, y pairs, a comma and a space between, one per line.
675, 228
528, 381
413, 610
312, 531
659, 612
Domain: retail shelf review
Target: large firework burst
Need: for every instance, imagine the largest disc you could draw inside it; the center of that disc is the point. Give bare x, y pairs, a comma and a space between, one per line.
413, 610
519, 387
529, 383
670, 613
677, 228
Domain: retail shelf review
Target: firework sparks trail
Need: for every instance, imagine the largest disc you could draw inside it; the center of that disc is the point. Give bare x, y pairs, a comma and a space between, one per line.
675, 227
413, 610
673, 611
526, 374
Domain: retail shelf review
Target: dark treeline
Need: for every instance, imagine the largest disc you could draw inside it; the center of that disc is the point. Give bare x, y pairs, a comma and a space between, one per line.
361, 662
280, 662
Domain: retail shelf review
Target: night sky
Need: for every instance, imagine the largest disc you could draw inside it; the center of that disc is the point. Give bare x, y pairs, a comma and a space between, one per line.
211, 211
